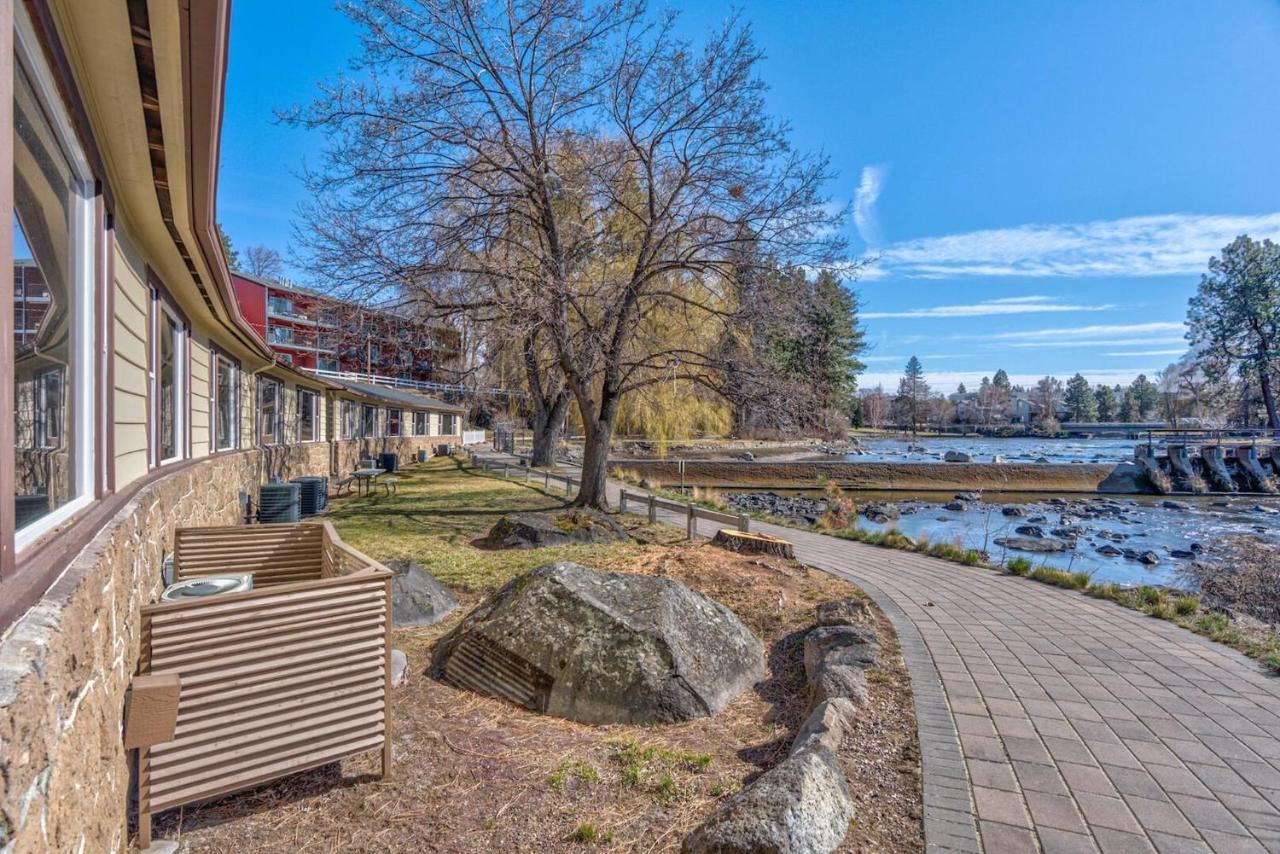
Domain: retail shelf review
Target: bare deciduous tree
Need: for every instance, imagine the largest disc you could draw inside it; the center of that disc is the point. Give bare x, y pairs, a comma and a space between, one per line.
262, 261
575, 172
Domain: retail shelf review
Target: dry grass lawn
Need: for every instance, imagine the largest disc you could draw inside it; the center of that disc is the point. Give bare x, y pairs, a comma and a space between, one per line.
472, 773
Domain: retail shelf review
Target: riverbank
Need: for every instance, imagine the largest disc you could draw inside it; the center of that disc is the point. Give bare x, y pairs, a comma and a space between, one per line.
917, 477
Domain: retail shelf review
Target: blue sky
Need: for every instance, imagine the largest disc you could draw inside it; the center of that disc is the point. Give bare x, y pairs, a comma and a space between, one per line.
1040, 183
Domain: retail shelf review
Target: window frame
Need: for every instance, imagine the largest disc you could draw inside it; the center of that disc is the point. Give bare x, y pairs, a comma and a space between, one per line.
315, 413
163, 309
368, 421
217, 357
421, 422
278, 431
397, 419
84, 233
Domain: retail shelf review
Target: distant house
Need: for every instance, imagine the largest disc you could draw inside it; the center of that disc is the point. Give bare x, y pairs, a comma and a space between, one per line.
1024, 410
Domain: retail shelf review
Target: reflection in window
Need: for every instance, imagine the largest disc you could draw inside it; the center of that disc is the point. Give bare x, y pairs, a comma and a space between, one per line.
307, 415
225, 413
368, 421
167, 385
269, 420
420, 423
46, 198
350, 420
393, 422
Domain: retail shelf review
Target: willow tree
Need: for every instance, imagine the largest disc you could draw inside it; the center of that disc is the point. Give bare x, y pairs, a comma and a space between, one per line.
567, 169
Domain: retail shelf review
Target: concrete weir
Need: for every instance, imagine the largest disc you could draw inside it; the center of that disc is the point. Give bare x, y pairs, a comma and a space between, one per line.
1213, 467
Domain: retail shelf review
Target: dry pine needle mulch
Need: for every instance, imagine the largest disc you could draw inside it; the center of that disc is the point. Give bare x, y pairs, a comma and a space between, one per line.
472, 773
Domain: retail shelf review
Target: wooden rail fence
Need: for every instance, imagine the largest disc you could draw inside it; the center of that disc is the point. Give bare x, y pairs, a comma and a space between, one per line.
652, 503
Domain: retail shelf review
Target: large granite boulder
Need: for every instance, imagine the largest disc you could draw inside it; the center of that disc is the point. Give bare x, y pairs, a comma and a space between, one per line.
802, 804
556, 528
417, 599
603, 647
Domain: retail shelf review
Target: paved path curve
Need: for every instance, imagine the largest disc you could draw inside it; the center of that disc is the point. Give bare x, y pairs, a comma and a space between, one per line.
1053, 722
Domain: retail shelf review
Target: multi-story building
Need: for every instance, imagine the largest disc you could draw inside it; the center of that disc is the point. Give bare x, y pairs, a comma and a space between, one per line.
30, 300
314, 331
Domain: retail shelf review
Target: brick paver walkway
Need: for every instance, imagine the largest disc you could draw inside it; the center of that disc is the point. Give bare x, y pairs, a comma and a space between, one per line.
1051, 721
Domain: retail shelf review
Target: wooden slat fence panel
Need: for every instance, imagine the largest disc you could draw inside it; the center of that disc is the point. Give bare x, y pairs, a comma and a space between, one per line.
275, 554
274, 680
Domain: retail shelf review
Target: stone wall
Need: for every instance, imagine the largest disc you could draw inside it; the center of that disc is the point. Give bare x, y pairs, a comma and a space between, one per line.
348, 452
64, 667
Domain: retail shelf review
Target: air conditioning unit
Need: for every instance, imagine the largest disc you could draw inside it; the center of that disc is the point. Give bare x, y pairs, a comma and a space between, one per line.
208, 586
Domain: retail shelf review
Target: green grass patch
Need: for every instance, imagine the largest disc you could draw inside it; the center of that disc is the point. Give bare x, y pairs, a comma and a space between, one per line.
441, 506
577, 769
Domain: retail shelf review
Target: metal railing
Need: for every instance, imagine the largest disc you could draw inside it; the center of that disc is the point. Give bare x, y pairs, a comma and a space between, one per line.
1240, 436
419, 385
652, 503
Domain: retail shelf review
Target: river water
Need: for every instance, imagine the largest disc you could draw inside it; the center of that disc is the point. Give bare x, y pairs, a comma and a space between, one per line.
1139, 525
983, 450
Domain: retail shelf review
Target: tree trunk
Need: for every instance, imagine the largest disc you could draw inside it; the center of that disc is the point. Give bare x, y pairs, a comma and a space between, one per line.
595, 467
548, 421
1268, 396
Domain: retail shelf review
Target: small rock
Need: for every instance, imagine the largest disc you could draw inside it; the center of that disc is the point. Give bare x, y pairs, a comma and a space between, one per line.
955, 506
1013, 512
748, 456
1149, 558
968, 496
1108, 550
957, 457
843, 612
997, 459
1181, 554
1032, 544
1030, 531
838, 680
399, 668
881, 512
839, 644
417, 599
1169, 504
802, 804
826, 725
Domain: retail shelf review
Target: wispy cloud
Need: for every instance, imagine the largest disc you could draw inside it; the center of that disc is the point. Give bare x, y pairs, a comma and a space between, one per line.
1116, 333
1139, 353
1003, 306
1168, 244
903, 359
865, 218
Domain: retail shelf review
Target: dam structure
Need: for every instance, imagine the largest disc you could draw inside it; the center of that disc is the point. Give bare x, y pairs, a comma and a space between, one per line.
1211, 463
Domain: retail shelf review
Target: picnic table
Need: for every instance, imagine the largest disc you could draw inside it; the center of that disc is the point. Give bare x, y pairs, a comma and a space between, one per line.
365, 478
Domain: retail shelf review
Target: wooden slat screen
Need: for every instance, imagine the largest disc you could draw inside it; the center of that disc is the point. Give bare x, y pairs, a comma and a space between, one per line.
275, 554
273, 681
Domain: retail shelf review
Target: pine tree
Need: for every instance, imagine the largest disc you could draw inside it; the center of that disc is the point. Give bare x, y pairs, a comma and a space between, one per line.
232, 256
1105, 403
1146, 398
1001, 381
1082, 406
912, 402
960, 389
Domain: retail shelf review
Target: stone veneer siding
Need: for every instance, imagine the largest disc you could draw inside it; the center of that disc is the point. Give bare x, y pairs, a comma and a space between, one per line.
65, 666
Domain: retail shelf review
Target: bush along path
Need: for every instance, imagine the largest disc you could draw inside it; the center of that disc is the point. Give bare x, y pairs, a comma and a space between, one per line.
1054, 721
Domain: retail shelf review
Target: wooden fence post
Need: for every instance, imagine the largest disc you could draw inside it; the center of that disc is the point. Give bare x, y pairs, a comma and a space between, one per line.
653, 510
692, 524
744, 522
506, 469
622, 502
546, 479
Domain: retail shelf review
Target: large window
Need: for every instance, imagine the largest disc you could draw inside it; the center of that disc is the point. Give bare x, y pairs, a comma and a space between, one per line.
368, 421
350, 420
450, 425
394, 417
270, 418
53, 334
308, 415
419, 423
168, 382
226, 408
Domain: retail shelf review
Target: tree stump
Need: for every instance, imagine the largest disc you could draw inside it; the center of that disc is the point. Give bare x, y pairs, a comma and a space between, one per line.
744, 543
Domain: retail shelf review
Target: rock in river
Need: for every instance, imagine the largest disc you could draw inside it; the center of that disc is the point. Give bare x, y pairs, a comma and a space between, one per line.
957, 457
1032, 544
881, 512
603, 647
